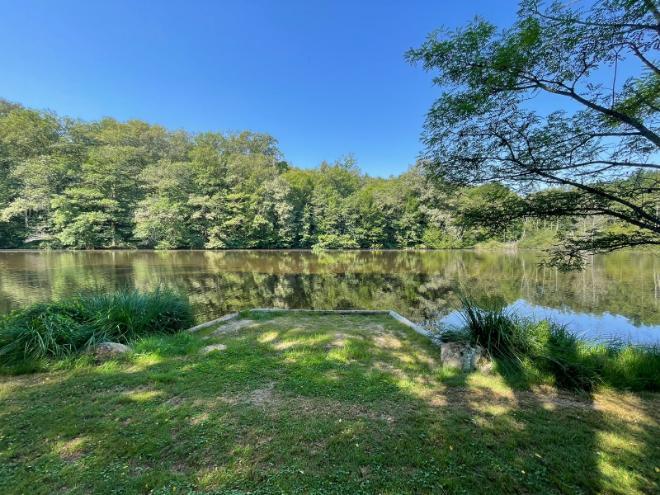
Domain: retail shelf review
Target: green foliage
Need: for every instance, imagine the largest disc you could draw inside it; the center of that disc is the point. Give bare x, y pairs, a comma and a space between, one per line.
45, 331
501, 333
60, 329
335, 241
535, 349
126, 315
435, 238
109, 184
593, 154
537, 237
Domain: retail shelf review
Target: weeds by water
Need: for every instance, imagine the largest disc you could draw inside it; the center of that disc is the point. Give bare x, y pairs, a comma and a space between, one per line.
62, 329
529, 351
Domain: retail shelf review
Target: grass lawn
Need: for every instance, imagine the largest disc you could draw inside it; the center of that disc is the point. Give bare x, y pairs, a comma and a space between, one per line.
300, 403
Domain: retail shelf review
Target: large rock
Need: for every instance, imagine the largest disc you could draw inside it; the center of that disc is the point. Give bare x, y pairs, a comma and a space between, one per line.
463, 356
109, 350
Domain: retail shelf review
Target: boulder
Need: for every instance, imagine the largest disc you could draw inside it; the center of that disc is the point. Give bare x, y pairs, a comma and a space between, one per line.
214, 347
464, 356
109, 350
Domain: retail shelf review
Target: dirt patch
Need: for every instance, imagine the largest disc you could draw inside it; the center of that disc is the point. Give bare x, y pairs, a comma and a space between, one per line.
268, 397
179, 468
198, 419
338, 341
175, 401
212, 348
387, 341
72, 450
375, 328
262, 396
324, 406
212, 402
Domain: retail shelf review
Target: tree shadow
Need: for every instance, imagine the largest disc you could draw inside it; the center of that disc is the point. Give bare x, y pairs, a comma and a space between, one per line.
287, 409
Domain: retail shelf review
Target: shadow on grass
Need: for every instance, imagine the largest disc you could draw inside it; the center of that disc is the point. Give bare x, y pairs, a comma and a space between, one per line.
284, 409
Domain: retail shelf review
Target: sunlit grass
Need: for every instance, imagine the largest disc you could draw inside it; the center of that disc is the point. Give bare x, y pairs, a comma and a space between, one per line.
313, 404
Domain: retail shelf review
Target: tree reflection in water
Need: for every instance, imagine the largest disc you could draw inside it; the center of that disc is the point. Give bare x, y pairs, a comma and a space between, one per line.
418, 284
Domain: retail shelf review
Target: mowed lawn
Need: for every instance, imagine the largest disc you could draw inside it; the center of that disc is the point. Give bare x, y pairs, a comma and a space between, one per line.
302, 403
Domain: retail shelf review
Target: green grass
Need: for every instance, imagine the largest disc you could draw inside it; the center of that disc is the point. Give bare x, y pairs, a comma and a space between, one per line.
529, 352
61, 330
303, 403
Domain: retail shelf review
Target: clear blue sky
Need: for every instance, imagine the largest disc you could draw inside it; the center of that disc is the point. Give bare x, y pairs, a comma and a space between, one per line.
326, 78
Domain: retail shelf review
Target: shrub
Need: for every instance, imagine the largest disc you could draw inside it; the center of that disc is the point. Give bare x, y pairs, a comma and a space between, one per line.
536, 349
335, 241
60, 329
500, 332
44, 330
435, 238
123, 316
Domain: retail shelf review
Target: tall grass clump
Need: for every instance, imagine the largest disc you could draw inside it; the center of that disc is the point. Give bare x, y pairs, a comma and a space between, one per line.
542, 348
123, 316
61, 329
566, 358
626, 366
53, 330
499, 331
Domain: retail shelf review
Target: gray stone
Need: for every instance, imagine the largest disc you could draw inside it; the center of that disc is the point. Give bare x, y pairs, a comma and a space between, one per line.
232, 326
463, 356
109, 350
214, 347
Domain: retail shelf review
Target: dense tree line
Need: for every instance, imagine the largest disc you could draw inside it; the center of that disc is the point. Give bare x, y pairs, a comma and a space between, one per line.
108, 184
66, 183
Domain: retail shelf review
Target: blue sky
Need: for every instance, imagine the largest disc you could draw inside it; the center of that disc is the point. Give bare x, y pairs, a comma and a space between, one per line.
326, 78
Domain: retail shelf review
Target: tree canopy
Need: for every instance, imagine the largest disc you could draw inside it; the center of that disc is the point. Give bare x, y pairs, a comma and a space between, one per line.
66, 183
562, 106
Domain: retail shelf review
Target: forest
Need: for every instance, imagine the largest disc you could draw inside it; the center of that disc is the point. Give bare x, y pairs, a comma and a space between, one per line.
72, 184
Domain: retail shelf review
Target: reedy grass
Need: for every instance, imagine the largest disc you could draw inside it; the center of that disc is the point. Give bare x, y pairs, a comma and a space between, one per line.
530, 351
59, 330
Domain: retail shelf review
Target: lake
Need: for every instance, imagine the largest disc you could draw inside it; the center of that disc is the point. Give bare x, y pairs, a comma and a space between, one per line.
618, 295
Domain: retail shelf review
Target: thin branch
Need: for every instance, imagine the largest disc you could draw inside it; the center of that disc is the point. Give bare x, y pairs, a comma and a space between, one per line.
618, 25
645, 60
615, 114
611, 163
654, 222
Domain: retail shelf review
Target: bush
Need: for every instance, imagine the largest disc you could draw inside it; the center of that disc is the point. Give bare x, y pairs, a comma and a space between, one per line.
44, 330
435, 238
536, 349
538, 239
123, 316
60, 329
335, 241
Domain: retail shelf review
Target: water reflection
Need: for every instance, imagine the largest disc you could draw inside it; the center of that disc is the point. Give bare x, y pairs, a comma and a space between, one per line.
417, 284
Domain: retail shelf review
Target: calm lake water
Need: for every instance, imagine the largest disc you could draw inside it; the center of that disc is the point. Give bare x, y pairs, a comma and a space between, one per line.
618, 295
